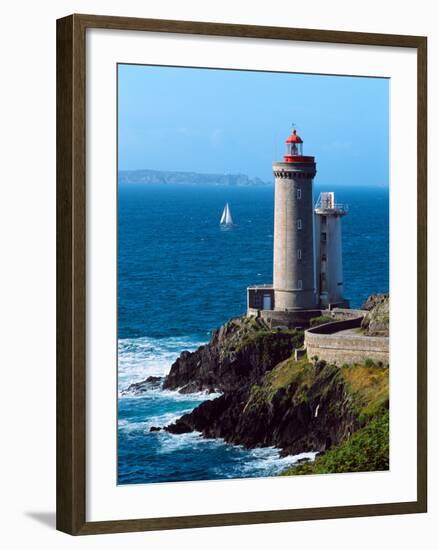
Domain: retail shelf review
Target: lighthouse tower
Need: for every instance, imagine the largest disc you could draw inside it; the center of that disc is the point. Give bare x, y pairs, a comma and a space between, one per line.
294, 267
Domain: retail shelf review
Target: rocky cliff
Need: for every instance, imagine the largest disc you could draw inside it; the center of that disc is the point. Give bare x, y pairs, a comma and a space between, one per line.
269, 398
236, 357
162, 177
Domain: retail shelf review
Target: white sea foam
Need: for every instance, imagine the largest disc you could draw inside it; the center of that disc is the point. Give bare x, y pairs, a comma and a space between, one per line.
243, 462
159, 420
139, 358
143, 357
268, 460
192, 441
160, 394
263, 462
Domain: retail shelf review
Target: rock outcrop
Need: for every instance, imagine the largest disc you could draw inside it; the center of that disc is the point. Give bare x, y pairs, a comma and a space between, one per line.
139, 388
238, 354
268, 398
298, 406
376, 320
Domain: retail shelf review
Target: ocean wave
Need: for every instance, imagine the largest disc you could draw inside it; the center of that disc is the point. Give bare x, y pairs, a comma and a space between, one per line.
192, 441
267, 461
234, 461
171, 395
260, 462
139, 358
159, 420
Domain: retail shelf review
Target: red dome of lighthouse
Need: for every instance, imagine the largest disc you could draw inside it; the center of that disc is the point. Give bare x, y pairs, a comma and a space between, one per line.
294, 138
294, 149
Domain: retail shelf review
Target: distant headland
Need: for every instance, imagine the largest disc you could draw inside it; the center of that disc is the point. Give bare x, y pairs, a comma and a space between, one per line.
154, 177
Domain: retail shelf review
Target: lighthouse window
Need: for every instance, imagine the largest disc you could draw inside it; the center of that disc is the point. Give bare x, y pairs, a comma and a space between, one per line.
324, 237
299, 253
299, 224
298, 194
300, 284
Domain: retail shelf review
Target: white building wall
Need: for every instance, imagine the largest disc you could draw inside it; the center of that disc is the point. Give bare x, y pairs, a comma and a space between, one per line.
328, 258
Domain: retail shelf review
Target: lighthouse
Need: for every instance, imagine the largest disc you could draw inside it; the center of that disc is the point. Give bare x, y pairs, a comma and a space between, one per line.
307, 264
294, 266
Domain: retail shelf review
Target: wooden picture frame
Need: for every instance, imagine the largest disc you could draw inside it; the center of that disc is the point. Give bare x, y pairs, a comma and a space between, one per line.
71, 273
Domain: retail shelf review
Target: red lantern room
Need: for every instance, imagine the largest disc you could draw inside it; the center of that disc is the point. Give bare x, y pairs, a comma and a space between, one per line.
294, 149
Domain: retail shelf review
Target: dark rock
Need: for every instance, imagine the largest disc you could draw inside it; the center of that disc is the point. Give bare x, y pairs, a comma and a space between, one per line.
179, 427
237, 355
285, 420
374, 300
302, 461
155, 429
138, 388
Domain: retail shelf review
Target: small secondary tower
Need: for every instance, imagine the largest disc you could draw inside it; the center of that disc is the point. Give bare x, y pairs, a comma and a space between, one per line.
328, 251
294, 270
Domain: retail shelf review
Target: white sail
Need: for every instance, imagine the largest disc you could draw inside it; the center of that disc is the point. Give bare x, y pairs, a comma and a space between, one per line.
226, 218
224, 215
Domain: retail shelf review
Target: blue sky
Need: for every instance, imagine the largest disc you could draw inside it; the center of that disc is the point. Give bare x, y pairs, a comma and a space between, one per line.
221, 121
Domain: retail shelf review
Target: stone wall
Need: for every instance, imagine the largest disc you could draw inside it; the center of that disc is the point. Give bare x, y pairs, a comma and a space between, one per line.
291, 319
329, 344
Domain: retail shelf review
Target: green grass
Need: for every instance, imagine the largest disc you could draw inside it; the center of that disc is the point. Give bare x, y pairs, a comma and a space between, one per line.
366, 450
284, 374
369, 388
245, 331
271, 340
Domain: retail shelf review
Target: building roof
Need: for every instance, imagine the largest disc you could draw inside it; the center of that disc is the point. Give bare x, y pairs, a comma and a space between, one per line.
294, 138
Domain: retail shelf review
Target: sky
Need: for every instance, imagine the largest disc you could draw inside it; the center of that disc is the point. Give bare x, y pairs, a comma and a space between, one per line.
230, 122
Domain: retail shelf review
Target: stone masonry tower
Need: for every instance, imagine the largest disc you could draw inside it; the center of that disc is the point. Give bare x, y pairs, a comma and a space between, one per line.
294, 270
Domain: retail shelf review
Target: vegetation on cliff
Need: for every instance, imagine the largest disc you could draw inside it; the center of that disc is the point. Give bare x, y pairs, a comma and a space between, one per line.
366, 450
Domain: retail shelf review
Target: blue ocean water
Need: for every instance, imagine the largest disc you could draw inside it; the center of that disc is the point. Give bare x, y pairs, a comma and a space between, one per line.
179, 277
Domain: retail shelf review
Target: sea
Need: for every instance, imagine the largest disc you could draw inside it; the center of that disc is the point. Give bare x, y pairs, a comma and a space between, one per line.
180, 276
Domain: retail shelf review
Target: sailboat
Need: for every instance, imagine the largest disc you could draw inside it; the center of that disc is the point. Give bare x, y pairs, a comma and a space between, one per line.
226, 219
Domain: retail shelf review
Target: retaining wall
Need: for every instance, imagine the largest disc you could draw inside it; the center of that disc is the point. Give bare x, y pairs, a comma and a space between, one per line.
327, 343
291, 319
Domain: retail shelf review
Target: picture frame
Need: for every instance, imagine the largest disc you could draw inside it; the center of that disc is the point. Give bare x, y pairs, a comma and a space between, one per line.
72, 268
